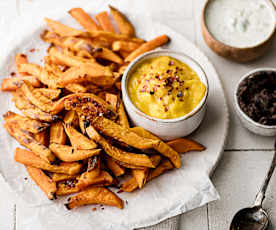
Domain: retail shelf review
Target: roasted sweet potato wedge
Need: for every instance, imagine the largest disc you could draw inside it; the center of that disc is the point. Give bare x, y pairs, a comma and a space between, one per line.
67, 187
183, 145
118, 154
91, 178
30, 69
123, 23
107, 54
21, 58
105, 22
47, 185
42, 137
95, 195
61, 177
84, 19
57, 133
49, 93
11, 84
62, 29
78, 140
69, 154
71, 118
30, 159
76, 88
25, 123
148, 46
115, 168
26, 139
125, 46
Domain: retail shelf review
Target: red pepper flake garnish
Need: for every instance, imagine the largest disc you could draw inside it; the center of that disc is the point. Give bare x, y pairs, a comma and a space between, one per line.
161, 98
142, 90
94, 209
187, 88
171, 63
166, 109
169, 71
32, 50
13, 74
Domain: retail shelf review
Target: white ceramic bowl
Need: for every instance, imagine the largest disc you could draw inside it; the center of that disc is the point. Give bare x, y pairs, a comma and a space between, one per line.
167, 129
250, 124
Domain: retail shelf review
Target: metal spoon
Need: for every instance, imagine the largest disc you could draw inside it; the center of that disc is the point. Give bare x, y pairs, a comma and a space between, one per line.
255, 218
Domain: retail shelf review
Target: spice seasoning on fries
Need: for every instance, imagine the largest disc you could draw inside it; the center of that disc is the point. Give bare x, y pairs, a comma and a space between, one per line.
74, 121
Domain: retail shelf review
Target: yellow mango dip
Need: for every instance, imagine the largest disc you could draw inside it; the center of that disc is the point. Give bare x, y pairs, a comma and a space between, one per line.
165, 88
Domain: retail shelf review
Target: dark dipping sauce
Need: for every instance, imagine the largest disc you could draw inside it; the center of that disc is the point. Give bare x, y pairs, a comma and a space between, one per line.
257, 97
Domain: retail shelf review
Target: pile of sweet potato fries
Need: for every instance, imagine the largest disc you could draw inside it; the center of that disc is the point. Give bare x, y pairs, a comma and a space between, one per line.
74, 122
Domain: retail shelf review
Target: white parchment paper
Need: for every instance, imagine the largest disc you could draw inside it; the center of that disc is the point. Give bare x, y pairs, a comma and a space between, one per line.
171, 194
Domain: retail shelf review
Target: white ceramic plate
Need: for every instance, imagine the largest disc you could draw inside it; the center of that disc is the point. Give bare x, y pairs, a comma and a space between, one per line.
169, 195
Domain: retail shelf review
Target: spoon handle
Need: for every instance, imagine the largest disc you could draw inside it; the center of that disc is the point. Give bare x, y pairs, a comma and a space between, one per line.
261, 194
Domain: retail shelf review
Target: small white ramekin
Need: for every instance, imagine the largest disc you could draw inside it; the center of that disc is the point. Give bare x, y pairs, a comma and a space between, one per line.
250, 124
167, 129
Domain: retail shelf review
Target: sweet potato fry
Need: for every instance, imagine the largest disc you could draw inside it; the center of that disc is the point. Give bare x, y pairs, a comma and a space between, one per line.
87, 104
112, 100
90, 178
128, 166
131, 184
148, 46
62, 58
123, 120
183, 145
124, 54
29, 68
118, 154
76, 88
67, 187
26, 139
69, 154
84, 19
78, 140
61, 177
30, 159
29, 110
95, 195
143, 133
107, 54
21, 58
105, 22
82, 123
123, 23
47, 185
86, 72
62, 29
42, 137
25, 123
116, 169
11, 84
71, 118
125, 46
49, 93
57, 133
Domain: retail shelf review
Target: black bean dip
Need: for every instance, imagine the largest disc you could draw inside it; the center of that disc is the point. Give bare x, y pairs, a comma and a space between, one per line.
257, 97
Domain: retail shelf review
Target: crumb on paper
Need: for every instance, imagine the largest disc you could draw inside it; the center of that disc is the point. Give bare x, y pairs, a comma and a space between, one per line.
32, 50
94, 209
25, 178
13, 74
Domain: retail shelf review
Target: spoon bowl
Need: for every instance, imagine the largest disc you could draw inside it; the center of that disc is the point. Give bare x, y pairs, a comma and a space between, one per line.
254, 218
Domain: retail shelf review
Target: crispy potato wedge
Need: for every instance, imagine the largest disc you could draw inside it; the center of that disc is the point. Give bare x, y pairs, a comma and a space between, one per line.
26, 139
57, 133
61, 177
95, 195
123, 120
62, 29
91, 178
49, 93
105, 22
47, 185
183, 145
30, 159
31, 69
71, 118
140, 176
118, 154
11, 84
21, 58
84, 19
86, 72
115, 168
69, 154
42, 137
148, 46
87, 104
125, 46
131, 184
78, 140
112, 99
144, 133
76, 88
25, 123
129, 166
30, 110
67, 187
123, 23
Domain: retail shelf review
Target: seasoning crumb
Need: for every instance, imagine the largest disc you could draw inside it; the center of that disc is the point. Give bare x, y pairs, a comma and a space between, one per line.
32, 50
102, 208
94, 209
25, 178
171, 63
